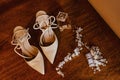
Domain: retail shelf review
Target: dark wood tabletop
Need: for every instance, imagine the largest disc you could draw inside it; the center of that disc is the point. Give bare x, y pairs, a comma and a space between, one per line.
81, 14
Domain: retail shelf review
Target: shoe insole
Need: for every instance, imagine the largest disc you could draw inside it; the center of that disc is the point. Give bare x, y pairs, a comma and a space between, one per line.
22, 38
29, 48
48, 37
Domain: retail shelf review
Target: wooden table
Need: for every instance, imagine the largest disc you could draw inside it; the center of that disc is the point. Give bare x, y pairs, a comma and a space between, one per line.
81, 13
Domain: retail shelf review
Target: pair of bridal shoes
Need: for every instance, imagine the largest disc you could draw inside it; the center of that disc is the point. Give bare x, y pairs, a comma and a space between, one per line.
48, 42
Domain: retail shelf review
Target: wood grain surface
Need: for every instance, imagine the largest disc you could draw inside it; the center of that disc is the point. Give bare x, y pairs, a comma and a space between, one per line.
96, 32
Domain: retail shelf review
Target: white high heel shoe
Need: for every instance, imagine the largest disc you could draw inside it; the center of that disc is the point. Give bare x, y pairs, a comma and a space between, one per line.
48, 39
31, 54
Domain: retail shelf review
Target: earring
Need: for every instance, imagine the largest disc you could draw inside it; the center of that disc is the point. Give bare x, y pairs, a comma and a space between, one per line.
95, 58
